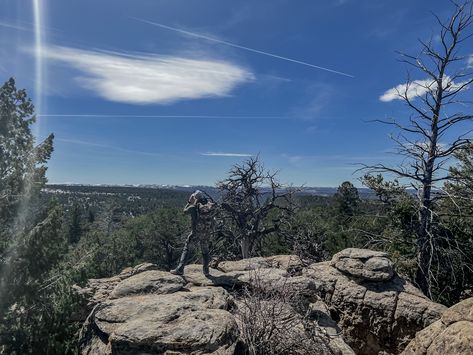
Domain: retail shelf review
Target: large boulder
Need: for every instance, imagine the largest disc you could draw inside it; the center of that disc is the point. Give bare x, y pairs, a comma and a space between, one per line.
376, 312
231, 279
364, 264
152, 312
98, 290
153, 281
451, 334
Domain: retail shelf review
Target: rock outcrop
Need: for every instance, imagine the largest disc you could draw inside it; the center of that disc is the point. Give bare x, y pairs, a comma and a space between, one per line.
191, 321
451, 334
364, 264
377, 313
356, 304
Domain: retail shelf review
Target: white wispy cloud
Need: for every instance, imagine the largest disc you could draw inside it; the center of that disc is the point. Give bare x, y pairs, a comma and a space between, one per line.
150, 79
418, 88
314, 101
220, 154
470, 61
293, 159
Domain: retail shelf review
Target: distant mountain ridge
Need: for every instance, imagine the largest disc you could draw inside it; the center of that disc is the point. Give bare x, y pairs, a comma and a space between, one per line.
211, 190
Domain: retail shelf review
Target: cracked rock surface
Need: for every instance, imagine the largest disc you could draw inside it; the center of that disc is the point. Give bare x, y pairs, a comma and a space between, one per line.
451, 334
375, 316
194, 321
357, 299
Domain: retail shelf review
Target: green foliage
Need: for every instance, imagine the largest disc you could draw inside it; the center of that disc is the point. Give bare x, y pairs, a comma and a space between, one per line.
306, 236
75, 224
456, 221
22, 173
347, 199
22, 164
156, 237
29, 307
452, 238
161, 235
33, 309
461, 184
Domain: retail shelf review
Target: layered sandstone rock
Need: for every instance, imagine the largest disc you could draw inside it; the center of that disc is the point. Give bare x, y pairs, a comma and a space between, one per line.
174, 321
451, 334
375, 316
356, 304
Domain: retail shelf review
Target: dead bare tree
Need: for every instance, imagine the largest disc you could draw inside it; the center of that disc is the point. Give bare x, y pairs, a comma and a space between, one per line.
254, 203
424, 139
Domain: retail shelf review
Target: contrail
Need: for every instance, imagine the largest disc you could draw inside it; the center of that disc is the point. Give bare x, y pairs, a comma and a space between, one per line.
217, 154
197, 35
161, 116
14, 27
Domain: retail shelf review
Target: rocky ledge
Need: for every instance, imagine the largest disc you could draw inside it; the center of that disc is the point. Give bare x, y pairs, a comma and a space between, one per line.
355, 303
451, 334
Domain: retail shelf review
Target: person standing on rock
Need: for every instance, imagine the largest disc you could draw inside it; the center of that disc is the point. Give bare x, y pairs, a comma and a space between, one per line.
202, 211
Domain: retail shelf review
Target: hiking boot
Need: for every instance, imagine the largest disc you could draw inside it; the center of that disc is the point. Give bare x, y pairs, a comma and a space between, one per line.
179, 272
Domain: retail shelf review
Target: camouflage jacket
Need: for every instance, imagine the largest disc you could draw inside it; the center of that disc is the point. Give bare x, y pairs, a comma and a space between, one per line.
203, 217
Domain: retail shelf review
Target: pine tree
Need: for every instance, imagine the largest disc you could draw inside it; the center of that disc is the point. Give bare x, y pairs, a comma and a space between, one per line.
347, 199
22, 164
32, 239
75, 225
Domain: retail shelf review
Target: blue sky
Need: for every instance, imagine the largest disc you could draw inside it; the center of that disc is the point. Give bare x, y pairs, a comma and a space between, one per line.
110, 76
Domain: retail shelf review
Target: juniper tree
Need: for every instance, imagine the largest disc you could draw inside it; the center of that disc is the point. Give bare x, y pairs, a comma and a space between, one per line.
254, 204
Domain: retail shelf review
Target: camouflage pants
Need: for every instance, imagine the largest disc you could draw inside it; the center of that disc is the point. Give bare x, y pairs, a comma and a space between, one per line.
202, 236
